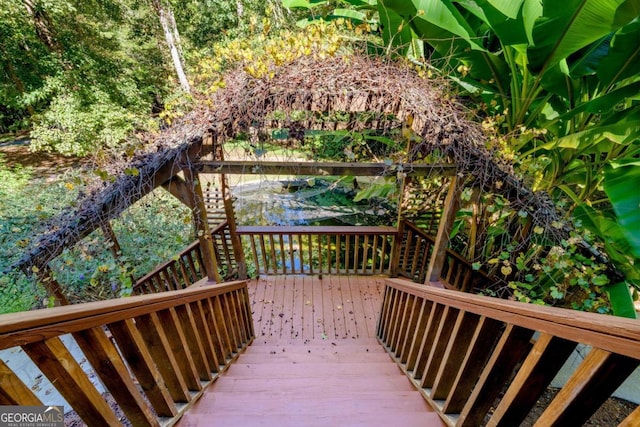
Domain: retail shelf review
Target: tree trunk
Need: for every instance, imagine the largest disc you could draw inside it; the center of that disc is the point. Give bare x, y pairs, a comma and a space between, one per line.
239, 10
169, 32
43, 26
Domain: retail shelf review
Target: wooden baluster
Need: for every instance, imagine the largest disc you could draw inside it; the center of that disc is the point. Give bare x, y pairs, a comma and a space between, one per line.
113, 373
440, 344
221, 324
58, 364
424, 262
180, 347
632, 420
291, 258
414, 263
410, 329
478, 352
237, 320
263, 252
192, 267
134, 349
175, 276
301, 254
396, 312
461, 336
392, 300
188, 325
282, 257
159, 347
418, 334
254, 252
384, 310
408, 244
427, 340
513, 345
216, 333
365, 254
13, 391
542, 364
597, 377
374, 257
272, 254
402, 327
338, 253
183, 272
232, 324
347, 252
206, 335
320, 264
310, 248
356, 253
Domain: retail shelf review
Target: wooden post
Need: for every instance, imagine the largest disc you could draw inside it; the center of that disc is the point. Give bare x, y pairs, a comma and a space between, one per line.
116, 249
397, 246
201, 225
52, 286
449, 211
238, 251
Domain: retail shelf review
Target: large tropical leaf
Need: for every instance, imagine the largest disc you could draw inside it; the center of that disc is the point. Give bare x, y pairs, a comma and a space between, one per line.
623, 56
570, 25
621, 185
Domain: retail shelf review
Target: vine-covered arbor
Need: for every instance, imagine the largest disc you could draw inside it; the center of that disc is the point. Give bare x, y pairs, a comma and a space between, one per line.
472, 358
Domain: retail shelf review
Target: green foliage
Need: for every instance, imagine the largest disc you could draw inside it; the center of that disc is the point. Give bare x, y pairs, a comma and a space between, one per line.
151, 232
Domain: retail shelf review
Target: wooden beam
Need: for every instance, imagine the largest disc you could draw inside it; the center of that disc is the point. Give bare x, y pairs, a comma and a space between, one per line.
258, 167
150, 177
179, 189
449, 211
202, 225
238, 250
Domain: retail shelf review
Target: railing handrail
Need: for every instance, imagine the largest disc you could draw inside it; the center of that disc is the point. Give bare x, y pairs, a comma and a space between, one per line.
615, 334
183, 252
316, 229
31, 326
419, 231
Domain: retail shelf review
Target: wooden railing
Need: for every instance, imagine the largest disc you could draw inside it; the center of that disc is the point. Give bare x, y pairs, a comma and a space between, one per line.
153, 353
414, 253
185, 268
320, 250
413, 262
485, 361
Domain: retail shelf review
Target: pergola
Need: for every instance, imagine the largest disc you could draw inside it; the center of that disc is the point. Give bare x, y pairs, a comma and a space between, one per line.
354, 94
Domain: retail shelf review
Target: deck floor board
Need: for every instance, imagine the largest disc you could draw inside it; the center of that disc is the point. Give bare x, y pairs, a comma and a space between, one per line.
313, 307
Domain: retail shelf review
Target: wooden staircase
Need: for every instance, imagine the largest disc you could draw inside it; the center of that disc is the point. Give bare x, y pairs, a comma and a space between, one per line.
343, 382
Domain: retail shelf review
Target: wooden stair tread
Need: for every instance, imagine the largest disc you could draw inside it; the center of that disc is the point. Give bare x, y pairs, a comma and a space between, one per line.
311, 356
312, 383
311, 369
405, 419
301, 402
335, 385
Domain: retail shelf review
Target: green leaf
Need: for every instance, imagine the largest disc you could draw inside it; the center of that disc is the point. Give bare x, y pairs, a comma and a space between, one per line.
623, 57
568, 26
350, 14
621, 185
621, 301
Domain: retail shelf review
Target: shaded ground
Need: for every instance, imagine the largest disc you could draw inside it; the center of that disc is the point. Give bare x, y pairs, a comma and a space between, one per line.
44, 165
612, 412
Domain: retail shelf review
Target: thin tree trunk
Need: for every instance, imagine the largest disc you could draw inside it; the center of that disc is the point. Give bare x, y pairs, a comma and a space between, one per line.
171, 42
239, 10
43, 26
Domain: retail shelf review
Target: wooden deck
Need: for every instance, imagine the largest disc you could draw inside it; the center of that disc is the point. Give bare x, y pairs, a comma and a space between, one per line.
315, 361
315, 307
